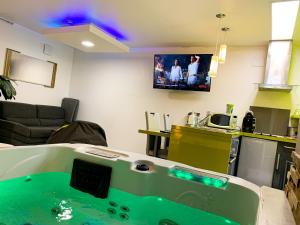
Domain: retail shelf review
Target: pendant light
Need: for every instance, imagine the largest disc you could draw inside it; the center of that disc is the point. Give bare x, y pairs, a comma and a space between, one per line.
223, 47
214, 63
213, 70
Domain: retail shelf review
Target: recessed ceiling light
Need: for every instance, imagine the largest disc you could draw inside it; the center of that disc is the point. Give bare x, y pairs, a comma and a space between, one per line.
88, 44
284, 16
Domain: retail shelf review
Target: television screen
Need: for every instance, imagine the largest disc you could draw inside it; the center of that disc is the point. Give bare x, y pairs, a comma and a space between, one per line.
182, 72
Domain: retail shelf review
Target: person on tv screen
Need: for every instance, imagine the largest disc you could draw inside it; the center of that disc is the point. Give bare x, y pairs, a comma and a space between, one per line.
176, 72
159, 71
193, 71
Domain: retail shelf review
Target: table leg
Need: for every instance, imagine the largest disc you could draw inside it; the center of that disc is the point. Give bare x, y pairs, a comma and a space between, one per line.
155, 150
149, 144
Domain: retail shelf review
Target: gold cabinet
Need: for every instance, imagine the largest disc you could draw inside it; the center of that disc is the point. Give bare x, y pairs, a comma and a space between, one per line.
202, 148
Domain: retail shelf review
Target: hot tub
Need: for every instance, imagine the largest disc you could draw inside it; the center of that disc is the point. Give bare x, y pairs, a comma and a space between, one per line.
34, 184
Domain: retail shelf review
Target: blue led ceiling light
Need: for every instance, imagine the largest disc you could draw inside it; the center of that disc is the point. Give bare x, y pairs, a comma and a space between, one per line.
84, 19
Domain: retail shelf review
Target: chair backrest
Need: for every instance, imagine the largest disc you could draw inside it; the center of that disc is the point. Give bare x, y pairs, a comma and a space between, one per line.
70, 106
153, 121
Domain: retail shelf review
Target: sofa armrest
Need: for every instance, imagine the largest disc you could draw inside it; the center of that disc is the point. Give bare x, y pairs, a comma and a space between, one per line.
15, 127
95, 125
70, 106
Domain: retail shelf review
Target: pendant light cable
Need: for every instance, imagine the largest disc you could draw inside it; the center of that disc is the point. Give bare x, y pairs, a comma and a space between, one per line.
220, 16
218, 36
215, 58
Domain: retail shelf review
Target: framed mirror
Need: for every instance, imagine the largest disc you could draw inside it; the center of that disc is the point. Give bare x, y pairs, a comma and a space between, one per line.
28, 69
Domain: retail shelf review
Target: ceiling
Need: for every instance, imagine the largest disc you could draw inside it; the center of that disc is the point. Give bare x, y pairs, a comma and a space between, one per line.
75, 35
155, 23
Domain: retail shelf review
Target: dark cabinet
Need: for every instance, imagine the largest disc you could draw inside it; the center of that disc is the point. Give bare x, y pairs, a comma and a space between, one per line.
282, 164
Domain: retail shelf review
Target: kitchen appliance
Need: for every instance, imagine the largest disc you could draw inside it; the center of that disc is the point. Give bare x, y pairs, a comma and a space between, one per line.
223, 121
277, 66
256, 161
249, 122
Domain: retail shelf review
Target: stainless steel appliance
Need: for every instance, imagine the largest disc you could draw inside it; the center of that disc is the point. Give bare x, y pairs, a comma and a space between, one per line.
256, 161
271, 120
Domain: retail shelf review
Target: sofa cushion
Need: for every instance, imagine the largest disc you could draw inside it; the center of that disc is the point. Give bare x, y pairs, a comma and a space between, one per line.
24, 121
12, 127
52, 122
17, 110
23, 141
50, 112
41, 132
17, 139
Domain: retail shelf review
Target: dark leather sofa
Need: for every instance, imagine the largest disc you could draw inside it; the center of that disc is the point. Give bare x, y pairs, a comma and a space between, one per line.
26, 124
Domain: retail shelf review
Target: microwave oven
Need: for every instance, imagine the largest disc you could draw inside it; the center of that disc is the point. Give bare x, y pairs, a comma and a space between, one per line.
223, 121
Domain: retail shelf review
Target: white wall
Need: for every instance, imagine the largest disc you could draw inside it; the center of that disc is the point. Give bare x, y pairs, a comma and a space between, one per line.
31, 43
115, 90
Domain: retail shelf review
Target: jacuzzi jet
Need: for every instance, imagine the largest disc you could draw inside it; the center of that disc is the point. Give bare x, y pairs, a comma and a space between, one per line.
167, 222
113, 204
111, 211
124, 216
125, 208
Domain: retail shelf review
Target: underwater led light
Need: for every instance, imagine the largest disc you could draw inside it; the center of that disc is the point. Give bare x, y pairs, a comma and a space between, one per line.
228, 221
200, 177
88, 44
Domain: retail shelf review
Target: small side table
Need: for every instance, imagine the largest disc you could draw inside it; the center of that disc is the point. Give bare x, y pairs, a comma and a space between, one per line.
153, 147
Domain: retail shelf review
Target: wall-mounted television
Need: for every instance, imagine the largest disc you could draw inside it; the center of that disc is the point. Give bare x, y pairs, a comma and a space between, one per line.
182, 72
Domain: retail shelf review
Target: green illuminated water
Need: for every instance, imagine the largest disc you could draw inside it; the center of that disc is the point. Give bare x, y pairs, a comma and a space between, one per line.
47, 198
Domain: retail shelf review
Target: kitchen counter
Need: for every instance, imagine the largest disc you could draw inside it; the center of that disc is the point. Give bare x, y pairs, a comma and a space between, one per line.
155, 133
268, 137
233, 133
236, 133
